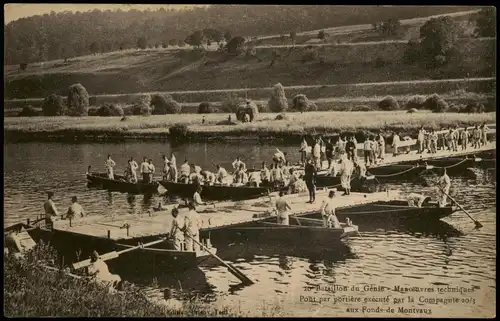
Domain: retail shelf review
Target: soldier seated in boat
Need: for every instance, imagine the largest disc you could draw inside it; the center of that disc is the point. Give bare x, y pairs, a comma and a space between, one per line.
221, 175
184, 170
99, 269
197, 197
75, 210
417, 200
208, 177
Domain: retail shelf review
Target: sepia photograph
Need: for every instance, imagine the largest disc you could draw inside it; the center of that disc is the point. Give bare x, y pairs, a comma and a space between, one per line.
197, 160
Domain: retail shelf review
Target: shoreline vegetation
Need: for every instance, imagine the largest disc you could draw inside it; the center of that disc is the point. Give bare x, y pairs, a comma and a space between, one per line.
30, 290
289, 127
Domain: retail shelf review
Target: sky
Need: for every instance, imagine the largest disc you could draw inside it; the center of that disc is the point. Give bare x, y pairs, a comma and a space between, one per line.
14, 11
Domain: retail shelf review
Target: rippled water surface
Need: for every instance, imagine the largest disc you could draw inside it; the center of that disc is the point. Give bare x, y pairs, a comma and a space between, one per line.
453, 253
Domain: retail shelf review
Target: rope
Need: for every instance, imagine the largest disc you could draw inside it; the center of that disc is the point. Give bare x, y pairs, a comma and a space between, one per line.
395, 174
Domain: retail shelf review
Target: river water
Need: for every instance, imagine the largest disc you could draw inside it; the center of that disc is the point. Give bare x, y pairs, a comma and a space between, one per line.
453, 254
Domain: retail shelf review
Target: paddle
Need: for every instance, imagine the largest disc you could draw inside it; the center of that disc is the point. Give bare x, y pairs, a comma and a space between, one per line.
114, 254
232, 269
476, 222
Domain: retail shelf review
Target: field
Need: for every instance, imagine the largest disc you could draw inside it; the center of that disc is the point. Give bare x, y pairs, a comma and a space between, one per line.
174, 71
216, 125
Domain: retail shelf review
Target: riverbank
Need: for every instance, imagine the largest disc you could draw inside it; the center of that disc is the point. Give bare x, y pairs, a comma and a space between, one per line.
31, 290
185, 127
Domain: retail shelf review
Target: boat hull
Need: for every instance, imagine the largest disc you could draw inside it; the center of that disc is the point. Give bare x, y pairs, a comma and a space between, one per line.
215, 192
76, 247
120, 185
269, 232
383, 211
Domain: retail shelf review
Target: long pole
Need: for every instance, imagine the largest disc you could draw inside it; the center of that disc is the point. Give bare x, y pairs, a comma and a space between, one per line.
476, 222
114, 254
232, 269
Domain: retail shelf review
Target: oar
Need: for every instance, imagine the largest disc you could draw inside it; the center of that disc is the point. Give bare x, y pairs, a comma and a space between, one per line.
114, 254
476, 222
232, 269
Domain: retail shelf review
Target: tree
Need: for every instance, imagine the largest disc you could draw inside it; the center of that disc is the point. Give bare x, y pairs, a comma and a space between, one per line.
293, 36
23, 66
278, 102
142, 43
388, 103
54, 105
321, 34
227, 36
235, 45
302, 104
164, 104
486, 23
438, 37
78, 100
94, 47
195, 39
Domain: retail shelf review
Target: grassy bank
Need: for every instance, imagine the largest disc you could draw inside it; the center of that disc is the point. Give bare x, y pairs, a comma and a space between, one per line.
265, 128
33, 291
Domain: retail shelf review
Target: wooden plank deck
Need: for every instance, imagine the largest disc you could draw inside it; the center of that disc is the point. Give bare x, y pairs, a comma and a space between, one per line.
160, 222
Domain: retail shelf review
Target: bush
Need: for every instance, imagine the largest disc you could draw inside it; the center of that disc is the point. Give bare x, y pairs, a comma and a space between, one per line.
178, 133
262, 107
78, 100
412, 52
54, 105
23, 66
474, 107
206, 108
165, 104
302, 104
231, 103
282, 117
435, 104
278, 102
109, 110
143, 107
362, 108
388, 103
415, 102
412, 110
128, 110
453, 109
249, 108
92, 111
28, 111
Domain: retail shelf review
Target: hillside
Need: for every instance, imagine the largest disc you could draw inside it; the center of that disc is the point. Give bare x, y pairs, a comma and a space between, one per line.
68, 34
179, 70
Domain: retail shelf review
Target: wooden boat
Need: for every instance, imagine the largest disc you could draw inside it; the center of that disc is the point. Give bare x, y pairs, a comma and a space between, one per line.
215, 192
119, 184
73, 247
394, 210
163, 255
299, 230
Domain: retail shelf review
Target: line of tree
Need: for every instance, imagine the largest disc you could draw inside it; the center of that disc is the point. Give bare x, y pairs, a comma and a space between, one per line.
69, 34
